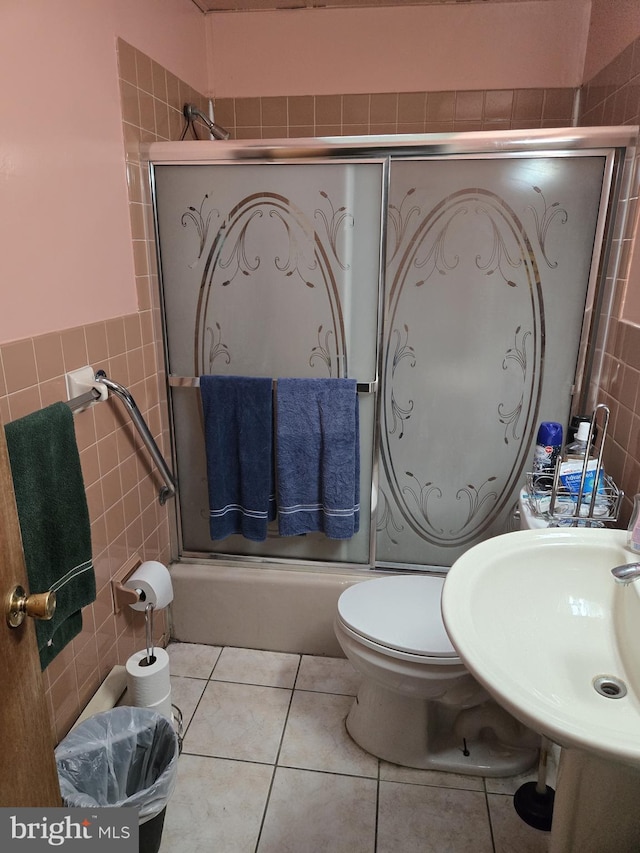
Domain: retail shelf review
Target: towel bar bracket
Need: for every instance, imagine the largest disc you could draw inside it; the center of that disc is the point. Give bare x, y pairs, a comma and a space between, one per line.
169, 489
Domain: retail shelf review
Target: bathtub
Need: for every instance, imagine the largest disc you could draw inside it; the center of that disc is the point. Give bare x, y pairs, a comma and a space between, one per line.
277, 608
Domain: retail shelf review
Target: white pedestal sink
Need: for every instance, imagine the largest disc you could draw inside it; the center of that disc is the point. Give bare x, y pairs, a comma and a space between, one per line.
538, 618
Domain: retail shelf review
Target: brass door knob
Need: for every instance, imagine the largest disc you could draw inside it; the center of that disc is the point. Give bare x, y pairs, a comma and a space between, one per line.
40, 605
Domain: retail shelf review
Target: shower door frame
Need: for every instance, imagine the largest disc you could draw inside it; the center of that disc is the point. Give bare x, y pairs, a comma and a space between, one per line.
616, 144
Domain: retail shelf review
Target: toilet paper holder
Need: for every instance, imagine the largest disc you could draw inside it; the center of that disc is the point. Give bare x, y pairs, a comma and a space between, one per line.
141, 584
129, 595
124, 596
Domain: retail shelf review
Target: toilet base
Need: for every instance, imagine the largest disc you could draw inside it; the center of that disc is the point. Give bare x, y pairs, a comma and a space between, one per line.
414, 732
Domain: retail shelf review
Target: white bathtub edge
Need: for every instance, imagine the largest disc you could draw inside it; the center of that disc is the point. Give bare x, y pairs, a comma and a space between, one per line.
268, 608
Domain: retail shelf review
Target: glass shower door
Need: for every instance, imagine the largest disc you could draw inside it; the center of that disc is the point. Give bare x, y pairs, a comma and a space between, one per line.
269, 270
488, 269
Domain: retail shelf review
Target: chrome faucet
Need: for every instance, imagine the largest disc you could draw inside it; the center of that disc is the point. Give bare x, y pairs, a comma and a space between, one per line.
627, 573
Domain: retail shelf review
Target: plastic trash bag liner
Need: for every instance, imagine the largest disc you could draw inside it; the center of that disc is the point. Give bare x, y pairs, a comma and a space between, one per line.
123, 757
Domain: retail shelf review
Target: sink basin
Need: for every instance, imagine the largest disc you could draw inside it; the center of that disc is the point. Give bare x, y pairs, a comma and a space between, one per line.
537, 617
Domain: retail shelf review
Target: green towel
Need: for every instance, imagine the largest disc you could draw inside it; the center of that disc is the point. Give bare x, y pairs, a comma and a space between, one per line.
54, 520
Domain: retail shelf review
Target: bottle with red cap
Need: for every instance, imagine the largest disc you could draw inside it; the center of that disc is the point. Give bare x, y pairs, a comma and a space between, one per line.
548, 447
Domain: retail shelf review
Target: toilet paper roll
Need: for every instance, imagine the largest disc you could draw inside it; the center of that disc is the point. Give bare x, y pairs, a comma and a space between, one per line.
163, 706
154, 582
149, 685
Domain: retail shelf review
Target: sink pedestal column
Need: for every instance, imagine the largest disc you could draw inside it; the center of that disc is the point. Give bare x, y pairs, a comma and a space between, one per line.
596, 806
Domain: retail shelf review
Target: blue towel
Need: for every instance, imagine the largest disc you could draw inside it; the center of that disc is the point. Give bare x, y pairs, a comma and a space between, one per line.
318, 457
238, 428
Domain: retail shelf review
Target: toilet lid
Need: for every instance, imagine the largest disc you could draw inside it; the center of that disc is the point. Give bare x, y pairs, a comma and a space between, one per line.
400, 612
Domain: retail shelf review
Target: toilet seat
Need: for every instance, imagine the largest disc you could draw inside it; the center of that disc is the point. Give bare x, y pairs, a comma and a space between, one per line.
400, 614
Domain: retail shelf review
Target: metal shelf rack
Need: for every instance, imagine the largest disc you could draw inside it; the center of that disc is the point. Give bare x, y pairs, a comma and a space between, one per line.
549, 498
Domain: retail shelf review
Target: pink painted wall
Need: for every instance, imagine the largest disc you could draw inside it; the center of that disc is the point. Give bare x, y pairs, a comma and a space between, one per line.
65, 247
614, 25
398, 49
65, 241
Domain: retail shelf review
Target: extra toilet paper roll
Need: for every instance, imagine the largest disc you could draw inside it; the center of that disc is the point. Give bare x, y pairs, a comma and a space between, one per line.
163, 706
149, 686
154, 582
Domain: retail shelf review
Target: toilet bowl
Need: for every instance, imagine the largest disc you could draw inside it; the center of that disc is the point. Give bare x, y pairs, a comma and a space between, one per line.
418, 706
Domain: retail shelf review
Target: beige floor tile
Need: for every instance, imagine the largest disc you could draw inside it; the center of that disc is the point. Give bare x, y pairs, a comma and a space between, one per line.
324, 790
185, 694
217, 805
328, 675
394, 773
310, 812
423, 819
241, 721
316, 738
192, 659
510, 832
510, 784
247, 666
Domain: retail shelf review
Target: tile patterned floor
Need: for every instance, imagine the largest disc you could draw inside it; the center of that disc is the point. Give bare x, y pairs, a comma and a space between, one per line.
268, 767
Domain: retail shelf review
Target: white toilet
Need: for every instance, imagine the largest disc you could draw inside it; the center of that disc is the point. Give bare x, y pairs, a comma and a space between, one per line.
418, 706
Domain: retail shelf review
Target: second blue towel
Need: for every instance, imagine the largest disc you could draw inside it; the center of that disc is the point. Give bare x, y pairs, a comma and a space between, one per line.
318, 457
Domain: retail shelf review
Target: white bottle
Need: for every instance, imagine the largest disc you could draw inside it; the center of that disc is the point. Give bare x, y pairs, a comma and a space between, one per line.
578, 447
572, 468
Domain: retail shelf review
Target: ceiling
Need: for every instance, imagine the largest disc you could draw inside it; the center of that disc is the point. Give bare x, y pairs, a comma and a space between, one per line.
256, 5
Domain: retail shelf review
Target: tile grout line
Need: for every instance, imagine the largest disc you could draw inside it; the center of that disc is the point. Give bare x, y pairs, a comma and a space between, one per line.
206, 680
489, 821
277, 757
377, 818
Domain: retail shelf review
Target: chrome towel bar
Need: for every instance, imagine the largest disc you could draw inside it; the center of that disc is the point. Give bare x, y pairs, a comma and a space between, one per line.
123, 394
83, 400
194, 382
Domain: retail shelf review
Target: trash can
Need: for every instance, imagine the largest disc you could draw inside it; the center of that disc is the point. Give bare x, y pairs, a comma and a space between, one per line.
122, 757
